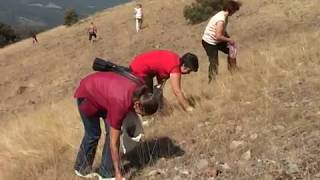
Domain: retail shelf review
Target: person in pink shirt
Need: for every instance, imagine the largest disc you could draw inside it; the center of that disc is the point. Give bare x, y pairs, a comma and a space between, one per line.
163, 65
110, 96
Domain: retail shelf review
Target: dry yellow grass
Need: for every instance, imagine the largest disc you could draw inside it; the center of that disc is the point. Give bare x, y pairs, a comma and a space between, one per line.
275, 96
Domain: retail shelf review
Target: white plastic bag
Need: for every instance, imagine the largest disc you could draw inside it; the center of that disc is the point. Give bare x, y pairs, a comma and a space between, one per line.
232, 51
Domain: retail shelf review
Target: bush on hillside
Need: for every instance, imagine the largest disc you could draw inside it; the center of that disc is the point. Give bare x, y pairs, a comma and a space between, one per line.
201, 10
70, 17
7, 35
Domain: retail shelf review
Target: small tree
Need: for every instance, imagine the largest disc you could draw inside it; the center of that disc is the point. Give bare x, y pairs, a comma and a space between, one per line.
7, 34
70, 17
201, 10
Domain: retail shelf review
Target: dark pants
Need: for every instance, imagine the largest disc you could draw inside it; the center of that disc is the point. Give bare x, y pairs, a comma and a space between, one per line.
92, 35
212, 52
89, 145
149, 82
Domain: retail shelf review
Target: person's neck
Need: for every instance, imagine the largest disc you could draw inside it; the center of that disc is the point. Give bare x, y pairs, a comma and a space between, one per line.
226, 13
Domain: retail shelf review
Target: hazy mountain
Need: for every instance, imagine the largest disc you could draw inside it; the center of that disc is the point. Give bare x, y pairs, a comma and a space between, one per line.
48, 13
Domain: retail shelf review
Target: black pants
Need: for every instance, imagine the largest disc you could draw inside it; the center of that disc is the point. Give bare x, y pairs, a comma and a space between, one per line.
212, 52
92, 35
149, 82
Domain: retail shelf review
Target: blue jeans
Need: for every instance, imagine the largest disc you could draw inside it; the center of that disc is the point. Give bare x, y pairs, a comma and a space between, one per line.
88, 147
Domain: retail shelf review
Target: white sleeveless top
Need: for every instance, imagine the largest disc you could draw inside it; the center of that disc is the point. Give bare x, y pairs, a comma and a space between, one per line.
209, 34
138, 12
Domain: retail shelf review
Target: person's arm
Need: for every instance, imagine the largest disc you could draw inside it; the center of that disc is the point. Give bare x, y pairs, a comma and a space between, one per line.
220, 33
226, 34
159, 80
135, 12
95, 29
175, 80
114, 146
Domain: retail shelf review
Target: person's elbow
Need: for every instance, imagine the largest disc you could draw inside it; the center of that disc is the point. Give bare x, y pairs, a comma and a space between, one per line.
219, 37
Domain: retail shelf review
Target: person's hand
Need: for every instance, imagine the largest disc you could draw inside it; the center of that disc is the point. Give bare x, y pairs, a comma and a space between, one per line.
231, 41
119, 176
190, 109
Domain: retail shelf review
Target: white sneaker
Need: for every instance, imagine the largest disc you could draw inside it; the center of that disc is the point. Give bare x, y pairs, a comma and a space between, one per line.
138, 138
90, 175
102, 178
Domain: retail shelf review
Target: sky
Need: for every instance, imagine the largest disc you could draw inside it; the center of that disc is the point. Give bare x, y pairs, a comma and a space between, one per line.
48, 13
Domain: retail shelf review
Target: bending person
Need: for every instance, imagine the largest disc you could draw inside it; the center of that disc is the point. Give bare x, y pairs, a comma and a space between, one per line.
110, 96
215, 38
163, 65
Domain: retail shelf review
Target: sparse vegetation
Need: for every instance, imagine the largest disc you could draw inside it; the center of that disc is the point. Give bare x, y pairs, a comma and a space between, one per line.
261, 123
7, 35
201, 10
70, 17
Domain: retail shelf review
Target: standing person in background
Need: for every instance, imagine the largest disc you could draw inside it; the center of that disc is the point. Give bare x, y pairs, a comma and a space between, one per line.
110, 96
138, 17
34, 38
163, 65
92, 31
216, 38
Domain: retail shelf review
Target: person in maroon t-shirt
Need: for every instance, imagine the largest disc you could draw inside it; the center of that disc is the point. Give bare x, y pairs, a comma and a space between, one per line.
110, 96
163, 65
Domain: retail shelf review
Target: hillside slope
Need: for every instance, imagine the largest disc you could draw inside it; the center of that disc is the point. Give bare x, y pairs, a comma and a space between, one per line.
262, 122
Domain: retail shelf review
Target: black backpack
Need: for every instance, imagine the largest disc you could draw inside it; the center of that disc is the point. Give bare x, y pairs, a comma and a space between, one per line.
103, 65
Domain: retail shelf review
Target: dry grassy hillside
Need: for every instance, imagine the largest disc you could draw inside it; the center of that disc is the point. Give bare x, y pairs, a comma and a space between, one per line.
261, 123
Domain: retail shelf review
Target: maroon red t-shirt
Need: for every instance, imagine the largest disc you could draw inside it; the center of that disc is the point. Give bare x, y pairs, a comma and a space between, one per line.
109, 92
159, 63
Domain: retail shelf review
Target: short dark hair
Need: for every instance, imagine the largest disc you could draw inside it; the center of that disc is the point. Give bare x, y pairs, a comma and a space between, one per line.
232, 6
149, 101
191, 61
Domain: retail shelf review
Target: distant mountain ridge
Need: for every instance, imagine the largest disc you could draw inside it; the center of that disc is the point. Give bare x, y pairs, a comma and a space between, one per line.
47, 13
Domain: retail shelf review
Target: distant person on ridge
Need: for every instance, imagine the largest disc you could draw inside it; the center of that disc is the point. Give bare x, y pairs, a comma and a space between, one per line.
34, 38
216, 38
92, 31
138, 16
111, 96
163, 65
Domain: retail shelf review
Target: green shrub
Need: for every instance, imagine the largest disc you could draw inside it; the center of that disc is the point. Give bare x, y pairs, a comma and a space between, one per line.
70, 17
201, 10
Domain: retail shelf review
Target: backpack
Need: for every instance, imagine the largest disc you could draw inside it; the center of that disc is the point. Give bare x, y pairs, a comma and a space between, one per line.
105, 66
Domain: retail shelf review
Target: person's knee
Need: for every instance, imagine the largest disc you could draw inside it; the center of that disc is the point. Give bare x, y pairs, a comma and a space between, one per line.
93, 137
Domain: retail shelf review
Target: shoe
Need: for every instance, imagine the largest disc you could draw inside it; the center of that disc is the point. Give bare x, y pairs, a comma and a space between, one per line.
104, 178
89, 175
138, 138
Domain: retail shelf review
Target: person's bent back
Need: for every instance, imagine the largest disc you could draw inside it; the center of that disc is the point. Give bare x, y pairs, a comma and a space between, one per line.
163, 65
110, 96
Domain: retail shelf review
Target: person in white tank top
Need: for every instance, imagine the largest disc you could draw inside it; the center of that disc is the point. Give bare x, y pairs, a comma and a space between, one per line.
138, 17
216, 38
